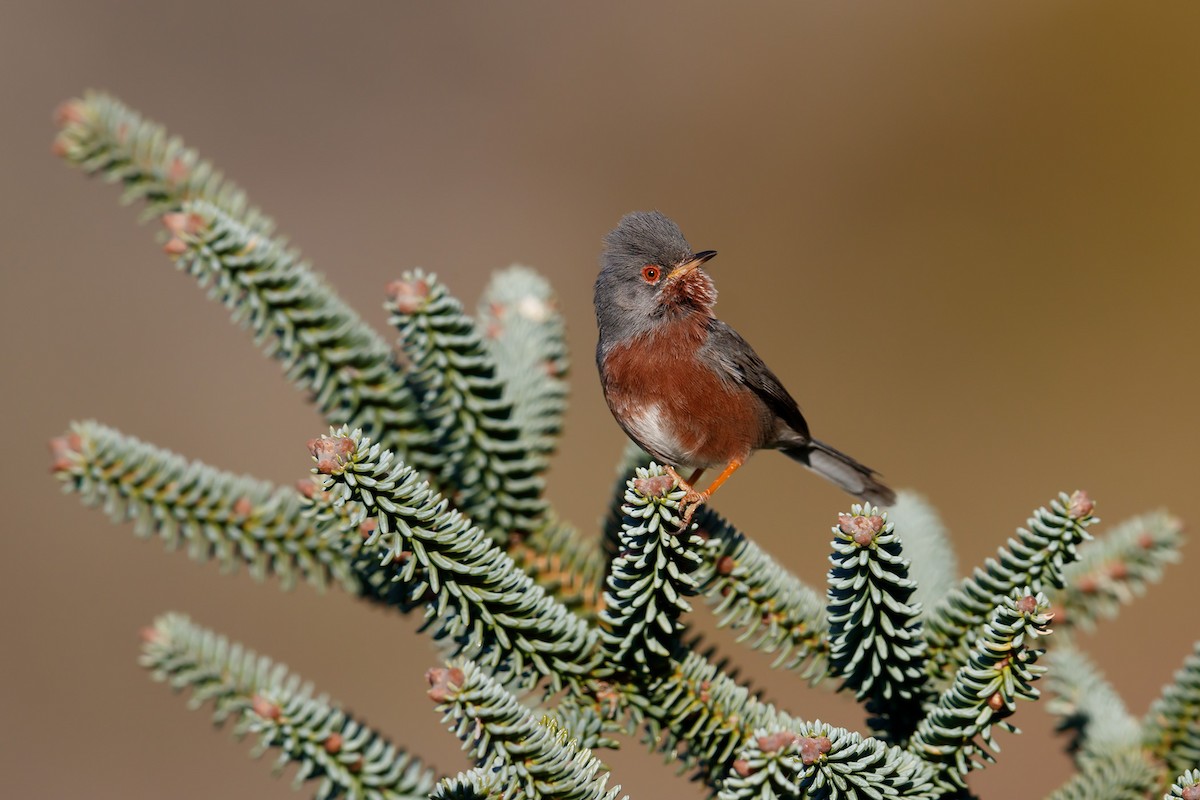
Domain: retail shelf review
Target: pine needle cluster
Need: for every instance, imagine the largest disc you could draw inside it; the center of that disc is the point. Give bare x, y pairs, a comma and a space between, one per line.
427, 496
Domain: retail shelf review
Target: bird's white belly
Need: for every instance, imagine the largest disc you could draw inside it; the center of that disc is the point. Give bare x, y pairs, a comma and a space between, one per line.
653, 431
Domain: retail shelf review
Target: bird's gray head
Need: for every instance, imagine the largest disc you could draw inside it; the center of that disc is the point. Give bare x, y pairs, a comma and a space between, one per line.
648, 273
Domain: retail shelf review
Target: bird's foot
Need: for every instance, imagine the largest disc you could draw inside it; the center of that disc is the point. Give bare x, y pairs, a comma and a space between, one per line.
692, 499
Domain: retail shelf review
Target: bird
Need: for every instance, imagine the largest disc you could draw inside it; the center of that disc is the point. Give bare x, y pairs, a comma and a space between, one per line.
685, 386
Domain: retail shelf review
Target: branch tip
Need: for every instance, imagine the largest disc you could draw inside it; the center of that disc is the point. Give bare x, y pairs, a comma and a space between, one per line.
407, 296
331, 453
444, 682
1080, 505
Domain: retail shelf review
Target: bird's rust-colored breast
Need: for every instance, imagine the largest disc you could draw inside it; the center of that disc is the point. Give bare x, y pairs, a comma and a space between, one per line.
675, 406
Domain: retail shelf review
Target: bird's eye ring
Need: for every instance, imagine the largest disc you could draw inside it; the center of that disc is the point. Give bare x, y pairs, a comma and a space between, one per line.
651, 273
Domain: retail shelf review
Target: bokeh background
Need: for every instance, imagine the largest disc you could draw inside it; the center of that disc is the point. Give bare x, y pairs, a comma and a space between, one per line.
965, 235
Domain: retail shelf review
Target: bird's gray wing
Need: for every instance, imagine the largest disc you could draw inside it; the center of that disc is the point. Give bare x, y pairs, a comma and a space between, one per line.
733, 357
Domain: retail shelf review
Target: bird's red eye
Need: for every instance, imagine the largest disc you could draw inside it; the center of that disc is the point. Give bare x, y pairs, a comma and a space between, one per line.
650, 273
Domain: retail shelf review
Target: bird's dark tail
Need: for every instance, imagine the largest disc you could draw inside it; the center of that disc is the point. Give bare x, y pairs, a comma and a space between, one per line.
839, 468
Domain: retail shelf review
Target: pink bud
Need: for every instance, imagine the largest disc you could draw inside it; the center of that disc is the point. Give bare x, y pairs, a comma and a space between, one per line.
408, 296
812, 748
1080, 505
63, 450
243, 508
175, 247
776, 741
1027, 604
443, 682
330, 453
333, 744
742, 767
68, 113
265, 708
1191, 792
658, 486
725, 565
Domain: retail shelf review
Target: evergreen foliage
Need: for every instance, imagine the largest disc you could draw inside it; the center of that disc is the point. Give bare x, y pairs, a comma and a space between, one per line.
501, 732
230, 518
1115, 568
1172, 726
1034, 560
429, 496
875, 637
474, 447
479, 600
957, 732
345, 757
640, 627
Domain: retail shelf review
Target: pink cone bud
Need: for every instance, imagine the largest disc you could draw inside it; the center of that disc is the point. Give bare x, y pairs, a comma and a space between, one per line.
178, 171
996, 701
725, 565
265, 708
1027, 604
63, 450
658, 486
1087, 584
776, 741
150, 635
1145, 540
175, 247
69, 112
1118, 570
862, 529
367, 527
444, 682
243, 508
407, 296
1191, 792
812, 748
178, 222
1080, 505
333, 744
331, 453
59, 147
742, 767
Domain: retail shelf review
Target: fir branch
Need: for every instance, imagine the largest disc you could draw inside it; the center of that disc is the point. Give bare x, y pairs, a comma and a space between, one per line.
569, 566
323, 345
526, 336
1172, 725
750, 592
1035, 559
480, 601
933, 565
640, 627
632, 457
1116, 567
104, 137
703, 717
474, 450
1114, 775
1186, 786
229, 518
494, 725
492, 781
1087, 705
1000, 671
875, 639
821, 761
345, 756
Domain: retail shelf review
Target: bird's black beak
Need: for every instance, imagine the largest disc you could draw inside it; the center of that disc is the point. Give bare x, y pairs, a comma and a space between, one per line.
691, 265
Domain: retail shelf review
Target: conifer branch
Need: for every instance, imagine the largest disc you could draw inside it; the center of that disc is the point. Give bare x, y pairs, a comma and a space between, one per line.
632, 457
346, 757
526, 336
1035, 559
1186, 786
494, 726
875, 639
639, 625
323, 345
569, 566
1116, 568
821, 761
985, 690
102, 136
933, 564
703, 718
750, 592
1172, 725
492, 781
474, 450
480, 601
1087, 705
1114, 775
229, 518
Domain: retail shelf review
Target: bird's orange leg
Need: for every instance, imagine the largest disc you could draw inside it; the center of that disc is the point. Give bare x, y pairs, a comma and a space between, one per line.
693, 499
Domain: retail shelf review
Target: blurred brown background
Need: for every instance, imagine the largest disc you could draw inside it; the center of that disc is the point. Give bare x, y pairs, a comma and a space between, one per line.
964, 235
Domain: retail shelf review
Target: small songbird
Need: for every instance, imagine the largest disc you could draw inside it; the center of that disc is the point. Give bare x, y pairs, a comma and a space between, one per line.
683, 384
